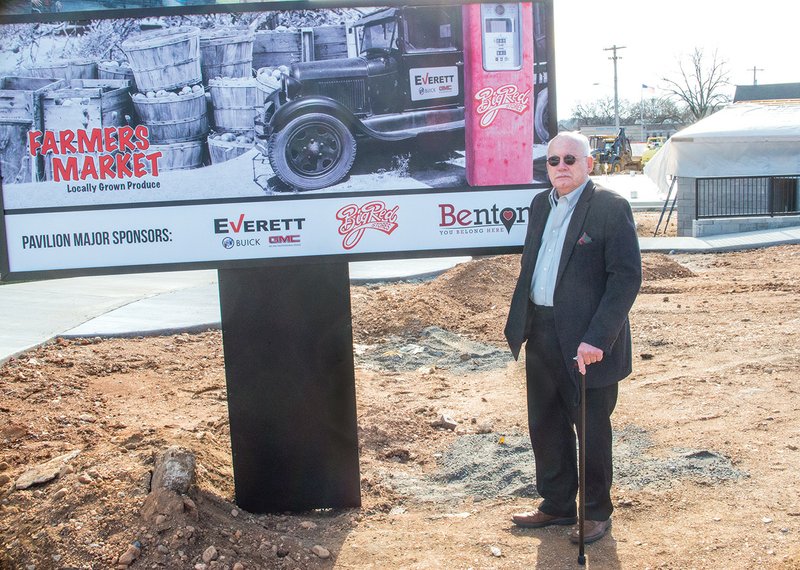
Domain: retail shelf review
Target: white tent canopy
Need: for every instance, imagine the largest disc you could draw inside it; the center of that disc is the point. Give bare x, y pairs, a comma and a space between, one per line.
743, 139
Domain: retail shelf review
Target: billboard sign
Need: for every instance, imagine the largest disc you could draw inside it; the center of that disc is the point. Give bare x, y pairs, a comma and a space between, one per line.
158, 137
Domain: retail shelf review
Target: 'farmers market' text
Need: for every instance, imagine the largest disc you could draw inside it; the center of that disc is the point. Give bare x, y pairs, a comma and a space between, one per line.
116, 152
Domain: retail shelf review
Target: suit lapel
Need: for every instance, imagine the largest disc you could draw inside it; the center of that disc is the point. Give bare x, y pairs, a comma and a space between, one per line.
539, 214
518, 312
574, 229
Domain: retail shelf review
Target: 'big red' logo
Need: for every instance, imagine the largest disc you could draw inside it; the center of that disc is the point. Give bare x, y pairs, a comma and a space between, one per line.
356, 220
505, 97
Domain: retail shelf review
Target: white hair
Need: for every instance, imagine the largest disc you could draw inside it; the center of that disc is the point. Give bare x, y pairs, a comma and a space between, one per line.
574, 136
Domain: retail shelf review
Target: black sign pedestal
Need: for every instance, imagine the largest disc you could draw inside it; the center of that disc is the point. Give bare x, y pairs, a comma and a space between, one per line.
288, 342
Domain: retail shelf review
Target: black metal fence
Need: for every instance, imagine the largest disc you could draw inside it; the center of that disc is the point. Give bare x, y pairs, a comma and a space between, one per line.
748, 196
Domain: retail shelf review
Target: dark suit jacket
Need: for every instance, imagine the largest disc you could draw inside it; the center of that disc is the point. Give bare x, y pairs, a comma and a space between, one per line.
599, 276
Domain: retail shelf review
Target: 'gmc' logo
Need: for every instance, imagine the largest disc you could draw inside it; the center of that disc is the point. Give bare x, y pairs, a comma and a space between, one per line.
279, 240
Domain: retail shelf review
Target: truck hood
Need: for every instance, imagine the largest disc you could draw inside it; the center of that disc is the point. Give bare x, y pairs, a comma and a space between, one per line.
330, 69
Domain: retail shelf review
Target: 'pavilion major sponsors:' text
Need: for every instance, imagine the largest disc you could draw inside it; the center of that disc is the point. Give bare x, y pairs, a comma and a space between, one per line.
80, 239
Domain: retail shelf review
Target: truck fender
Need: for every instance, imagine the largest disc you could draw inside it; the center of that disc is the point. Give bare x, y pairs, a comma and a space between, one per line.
313, 104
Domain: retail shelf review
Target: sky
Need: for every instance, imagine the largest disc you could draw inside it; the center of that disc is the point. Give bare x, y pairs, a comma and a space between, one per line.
656, 35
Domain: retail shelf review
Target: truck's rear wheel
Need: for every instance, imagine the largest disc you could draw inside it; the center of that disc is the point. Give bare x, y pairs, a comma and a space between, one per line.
313, 151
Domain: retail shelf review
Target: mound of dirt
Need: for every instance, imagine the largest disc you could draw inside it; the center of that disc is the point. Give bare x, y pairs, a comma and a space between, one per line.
656, 267
470, 299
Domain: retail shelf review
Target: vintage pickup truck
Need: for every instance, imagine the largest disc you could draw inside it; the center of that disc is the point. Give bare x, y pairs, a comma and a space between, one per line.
406, 81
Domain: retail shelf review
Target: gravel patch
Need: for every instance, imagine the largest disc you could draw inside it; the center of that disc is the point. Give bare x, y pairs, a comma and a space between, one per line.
485, 466
435, 347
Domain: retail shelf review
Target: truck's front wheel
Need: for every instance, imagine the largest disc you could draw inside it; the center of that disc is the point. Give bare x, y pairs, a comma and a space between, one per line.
313, 151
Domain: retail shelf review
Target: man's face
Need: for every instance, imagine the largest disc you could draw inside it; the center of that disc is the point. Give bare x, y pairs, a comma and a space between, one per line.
565, 177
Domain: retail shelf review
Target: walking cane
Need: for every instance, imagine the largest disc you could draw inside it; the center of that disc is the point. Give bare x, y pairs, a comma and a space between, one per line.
582, 472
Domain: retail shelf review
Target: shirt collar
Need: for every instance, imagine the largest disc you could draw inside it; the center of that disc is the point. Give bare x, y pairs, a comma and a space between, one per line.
572, 197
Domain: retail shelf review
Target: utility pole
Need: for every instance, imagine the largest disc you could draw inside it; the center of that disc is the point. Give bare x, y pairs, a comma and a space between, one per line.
755, 82
641, 114
614, 58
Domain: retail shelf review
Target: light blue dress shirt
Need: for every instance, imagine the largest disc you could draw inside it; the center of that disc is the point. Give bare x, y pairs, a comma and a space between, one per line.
543, 284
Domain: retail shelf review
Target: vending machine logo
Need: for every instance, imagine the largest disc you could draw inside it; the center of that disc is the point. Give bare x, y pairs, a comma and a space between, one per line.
355, 220
492, 101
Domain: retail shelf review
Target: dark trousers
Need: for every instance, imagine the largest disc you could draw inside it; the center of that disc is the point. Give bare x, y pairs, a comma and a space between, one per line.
553, 415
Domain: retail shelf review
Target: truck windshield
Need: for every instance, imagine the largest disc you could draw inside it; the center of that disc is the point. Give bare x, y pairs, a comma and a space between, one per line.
430, 28
380, 35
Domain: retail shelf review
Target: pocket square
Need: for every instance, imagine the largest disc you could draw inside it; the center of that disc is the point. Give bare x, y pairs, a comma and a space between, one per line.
585, 239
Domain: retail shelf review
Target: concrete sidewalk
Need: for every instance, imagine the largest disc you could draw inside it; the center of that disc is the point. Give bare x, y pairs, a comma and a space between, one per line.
726, 242
164, 303
144, 303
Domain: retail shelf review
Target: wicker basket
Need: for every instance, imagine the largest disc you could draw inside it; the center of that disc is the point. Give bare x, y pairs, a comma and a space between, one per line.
266, 82
65, 69
176, 119
221, 150
179, 156
226, 52
164, 59
236, 103
114, 70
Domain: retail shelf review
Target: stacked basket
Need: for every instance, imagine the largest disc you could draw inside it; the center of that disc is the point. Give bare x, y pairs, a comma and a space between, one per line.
170, 100
227, 64
113, 69
78, 68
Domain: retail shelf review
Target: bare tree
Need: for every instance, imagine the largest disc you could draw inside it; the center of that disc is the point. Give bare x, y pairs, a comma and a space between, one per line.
598, 112
700, 83
658, 111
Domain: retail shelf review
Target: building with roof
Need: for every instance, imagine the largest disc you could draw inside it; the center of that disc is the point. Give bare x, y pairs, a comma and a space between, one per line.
738, 169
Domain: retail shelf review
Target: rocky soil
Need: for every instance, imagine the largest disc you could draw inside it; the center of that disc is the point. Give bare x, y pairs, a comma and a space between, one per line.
707, 437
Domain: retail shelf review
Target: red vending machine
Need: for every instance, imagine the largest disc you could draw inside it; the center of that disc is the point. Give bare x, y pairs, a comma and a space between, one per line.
498, 102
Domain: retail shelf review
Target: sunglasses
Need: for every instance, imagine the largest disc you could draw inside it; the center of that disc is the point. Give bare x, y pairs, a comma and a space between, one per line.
569, 160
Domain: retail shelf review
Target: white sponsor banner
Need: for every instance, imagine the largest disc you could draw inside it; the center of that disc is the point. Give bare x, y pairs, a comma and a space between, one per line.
433, 82
212, 233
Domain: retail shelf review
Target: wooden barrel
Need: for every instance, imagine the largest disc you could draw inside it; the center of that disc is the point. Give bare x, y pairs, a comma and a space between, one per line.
164, 59
179, 156
225, 146
236, 103
65, 69
226, 52
116, 70
173, 118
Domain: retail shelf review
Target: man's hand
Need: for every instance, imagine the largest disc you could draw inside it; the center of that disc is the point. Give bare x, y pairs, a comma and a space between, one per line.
587, 354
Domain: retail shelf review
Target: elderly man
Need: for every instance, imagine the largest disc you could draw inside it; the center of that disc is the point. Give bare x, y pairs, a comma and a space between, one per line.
581, 272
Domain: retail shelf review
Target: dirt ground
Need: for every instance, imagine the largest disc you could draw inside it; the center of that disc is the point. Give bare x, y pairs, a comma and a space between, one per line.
707, 449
